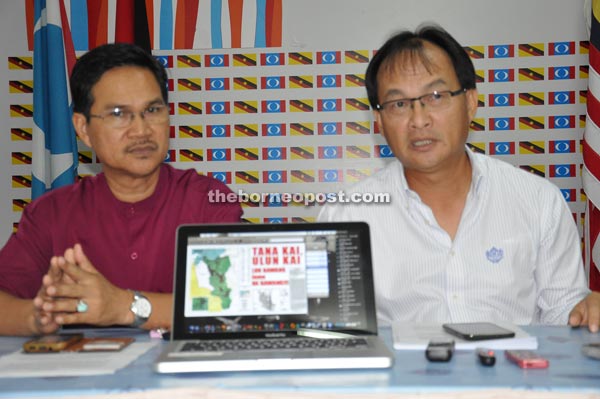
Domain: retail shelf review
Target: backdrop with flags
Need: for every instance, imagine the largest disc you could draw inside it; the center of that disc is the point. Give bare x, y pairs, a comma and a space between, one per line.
174, 24
591, 155
54, 152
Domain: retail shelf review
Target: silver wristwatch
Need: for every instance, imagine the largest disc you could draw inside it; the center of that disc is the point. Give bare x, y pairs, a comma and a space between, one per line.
141, 309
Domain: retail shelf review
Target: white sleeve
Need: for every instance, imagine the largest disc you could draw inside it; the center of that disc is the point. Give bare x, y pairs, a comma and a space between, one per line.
559, 273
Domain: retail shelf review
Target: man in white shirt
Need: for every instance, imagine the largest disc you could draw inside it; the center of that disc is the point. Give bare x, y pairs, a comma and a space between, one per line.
466, 237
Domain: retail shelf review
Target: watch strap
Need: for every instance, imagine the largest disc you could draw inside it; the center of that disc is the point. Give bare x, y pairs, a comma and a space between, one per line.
141, 309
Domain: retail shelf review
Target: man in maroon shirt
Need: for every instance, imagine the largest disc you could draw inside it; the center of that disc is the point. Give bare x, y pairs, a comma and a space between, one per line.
101, 251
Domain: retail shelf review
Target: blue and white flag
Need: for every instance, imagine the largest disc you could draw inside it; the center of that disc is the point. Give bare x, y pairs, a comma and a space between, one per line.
54, 153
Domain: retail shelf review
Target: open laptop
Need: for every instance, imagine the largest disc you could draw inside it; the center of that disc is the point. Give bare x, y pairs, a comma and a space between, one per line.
273, 297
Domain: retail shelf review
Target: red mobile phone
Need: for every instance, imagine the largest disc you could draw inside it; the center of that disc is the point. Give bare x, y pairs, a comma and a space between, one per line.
527, 359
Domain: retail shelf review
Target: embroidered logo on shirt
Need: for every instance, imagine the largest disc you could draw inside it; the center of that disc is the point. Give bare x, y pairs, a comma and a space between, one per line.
494, 254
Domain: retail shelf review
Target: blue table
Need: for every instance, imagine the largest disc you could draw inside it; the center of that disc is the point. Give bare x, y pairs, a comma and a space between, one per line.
569, 371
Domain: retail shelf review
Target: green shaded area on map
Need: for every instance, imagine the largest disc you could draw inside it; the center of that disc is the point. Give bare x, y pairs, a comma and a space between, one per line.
217, 267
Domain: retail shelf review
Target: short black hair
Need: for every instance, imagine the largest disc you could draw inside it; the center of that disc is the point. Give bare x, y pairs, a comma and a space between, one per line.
412, 42
92, 65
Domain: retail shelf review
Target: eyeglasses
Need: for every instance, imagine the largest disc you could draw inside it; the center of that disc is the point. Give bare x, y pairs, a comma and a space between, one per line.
434, 101
120, 118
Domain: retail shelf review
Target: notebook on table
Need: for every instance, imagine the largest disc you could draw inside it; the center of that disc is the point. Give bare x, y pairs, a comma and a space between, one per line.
273, 297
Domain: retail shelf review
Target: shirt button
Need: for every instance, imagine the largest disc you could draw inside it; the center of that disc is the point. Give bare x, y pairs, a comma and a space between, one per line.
454, 296
133, 256
132, 211
452, 253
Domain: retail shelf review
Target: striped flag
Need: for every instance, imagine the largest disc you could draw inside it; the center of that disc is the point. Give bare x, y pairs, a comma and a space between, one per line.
131, 24
54, 144
172, 24
591, 155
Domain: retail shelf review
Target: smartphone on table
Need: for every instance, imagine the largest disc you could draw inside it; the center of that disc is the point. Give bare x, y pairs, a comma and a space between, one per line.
477, 331
51, 343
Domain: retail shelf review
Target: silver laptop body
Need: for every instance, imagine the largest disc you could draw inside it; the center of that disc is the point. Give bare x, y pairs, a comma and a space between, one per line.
273, 297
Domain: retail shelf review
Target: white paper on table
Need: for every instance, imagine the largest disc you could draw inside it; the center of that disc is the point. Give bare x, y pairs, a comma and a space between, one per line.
416, 336
66, 364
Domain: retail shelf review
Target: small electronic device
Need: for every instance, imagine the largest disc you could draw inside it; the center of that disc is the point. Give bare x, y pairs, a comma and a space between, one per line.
51, 343
477, 331
591, 350
527, 359
439, 350
486, 356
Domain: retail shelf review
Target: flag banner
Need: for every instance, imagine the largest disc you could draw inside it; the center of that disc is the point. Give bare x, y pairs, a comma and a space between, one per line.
217, 83
20, 63
329, 57
477, 125
20, 134
591, 156
131, 23
190, 131
383, 151
243, 60
501, 75
246, 130
218, 131
532, 147
223, 177
245, 83
171, 24
274, 153
363, 127
275, 176
329, 128
477, 147
274, 129
54, 145
301, 106
501, 51
475, 52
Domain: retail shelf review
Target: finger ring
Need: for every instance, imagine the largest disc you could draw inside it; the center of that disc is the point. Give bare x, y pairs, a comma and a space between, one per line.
82, 306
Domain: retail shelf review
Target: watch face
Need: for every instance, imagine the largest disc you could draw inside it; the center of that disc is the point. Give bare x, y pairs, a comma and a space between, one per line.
142, 307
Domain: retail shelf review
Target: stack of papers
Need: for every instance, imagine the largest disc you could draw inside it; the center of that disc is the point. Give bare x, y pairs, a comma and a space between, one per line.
417, 336
68, 364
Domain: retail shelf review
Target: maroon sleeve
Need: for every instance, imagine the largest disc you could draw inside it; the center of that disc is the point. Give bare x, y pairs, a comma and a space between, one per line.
25, 257
224, 208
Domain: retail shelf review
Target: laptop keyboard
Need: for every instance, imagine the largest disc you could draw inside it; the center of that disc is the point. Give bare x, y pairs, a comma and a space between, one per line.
273, 344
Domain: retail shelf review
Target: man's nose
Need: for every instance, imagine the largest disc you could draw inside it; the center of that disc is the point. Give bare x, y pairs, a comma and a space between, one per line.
419, 114
138, 124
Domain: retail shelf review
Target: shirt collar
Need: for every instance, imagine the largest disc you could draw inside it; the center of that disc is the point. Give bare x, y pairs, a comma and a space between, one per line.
476, 178
477, 172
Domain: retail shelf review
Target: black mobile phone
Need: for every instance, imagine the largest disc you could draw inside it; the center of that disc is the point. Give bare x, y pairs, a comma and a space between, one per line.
477, 331
440, 350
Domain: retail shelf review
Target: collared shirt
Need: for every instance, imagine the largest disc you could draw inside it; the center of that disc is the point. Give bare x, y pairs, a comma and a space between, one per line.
516, 255
131, 244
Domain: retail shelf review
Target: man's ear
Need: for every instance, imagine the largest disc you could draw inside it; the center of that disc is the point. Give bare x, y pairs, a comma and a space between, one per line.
81, 126
377, 118
472, 102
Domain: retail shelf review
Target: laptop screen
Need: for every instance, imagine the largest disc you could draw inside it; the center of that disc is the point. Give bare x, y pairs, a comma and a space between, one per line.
248, 280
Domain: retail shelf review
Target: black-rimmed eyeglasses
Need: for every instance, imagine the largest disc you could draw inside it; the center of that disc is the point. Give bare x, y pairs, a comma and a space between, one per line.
434, 101
120, 118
